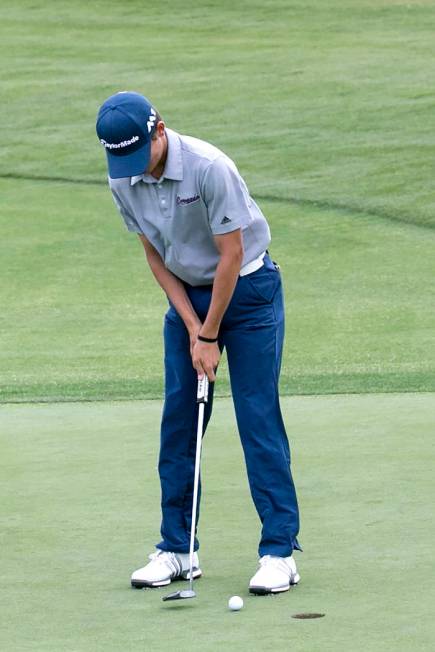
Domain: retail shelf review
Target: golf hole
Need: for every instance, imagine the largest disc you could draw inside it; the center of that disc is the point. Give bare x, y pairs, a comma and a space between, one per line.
307, 616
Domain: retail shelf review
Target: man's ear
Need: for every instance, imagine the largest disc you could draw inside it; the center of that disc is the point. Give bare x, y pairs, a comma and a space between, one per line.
160, 128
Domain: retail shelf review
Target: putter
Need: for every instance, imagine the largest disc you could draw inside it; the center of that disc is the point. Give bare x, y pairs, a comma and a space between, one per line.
201, 399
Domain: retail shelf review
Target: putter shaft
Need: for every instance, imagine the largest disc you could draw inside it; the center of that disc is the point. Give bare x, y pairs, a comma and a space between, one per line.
202, 398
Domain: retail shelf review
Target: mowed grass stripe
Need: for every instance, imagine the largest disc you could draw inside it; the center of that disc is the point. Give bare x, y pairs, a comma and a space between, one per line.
315, 204
82, 315
324, 100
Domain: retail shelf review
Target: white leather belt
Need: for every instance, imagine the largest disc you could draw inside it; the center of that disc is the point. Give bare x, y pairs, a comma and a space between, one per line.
253, 265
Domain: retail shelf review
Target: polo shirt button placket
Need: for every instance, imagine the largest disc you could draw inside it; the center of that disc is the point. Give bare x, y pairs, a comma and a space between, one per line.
162, 200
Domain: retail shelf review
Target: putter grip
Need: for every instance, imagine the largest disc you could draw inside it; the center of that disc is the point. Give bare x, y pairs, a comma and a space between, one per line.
202, 392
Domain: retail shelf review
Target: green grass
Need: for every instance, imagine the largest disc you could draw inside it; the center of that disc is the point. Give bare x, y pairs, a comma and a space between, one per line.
325, 105
80, 511
327, 109
322, 100
82, 316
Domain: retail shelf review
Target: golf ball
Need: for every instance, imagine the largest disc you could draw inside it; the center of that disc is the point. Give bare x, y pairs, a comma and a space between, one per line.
235, 603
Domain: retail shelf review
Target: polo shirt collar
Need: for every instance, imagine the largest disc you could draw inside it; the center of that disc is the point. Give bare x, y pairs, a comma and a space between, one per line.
174, 162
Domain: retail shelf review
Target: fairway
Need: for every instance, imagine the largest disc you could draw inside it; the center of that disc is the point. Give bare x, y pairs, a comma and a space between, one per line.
327, 110
80, 511
360, 301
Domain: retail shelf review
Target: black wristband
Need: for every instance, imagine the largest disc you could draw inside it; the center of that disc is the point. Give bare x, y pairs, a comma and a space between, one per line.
209, 340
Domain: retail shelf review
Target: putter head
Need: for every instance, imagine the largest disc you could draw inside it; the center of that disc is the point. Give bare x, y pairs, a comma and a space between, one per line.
180, 595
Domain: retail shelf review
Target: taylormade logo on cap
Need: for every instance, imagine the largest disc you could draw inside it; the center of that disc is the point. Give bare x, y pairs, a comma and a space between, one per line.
151, 120
124, 143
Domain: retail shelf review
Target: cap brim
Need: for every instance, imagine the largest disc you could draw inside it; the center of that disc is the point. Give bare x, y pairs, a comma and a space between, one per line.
129, 165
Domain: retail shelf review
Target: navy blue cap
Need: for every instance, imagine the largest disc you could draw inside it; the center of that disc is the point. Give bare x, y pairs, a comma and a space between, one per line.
125, 125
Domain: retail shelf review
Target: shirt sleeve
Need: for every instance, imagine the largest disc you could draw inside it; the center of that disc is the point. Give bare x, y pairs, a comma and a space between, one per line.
130, 221
226, 196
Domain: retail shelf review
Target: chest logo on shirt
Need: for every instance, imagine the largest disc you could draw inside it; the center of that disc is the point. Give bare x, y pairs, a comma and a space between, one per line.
183, 201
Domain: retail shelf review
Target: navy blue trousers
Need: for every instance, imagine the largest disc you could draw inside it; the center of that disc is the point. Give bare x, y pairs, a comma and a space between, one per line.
252, 333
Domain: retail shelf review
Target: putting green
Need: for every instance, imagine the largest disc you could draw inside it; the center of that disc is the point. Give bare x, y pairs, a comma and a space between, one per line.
80, 508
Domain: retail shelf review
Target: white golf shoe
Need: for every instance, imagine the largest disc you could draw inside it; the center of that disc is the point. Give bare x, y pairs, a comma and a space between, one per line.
165, 567
275, 574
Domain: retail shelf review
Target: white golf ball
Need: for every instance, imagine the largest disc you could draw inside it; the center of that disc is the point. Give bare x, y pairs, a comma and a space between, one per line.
235, 603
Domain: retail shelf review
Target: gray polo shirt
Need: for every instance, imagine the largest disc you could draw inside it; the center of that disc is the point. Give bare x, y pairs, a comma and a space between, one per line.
199, 195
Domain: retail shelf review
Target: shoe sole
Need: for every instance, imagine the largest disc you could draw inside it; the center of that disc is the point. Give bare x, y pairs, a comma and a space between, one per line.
263, 590
141, 584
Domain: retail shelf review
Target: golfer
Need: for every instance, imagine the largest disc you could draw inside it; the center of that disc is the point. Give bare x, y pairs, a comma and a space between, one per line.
206, 241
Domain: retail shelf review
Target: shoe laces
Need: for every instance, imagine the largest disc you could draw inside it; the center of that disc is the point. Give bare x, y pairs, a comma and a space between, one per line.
276, 562
167, 559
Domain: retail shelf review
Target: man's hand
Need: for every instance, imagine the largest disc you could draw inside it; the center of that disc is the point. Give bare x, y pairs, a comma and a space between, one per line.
205, 359
206, 355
